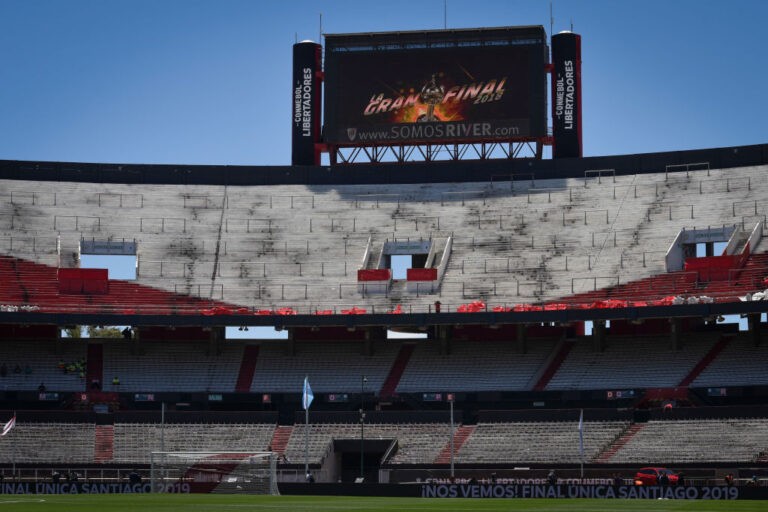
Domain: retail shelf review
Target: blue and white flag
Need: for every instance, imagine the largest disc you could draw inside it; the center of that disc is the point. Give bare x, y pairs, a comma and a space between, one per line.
307, 397
581, 434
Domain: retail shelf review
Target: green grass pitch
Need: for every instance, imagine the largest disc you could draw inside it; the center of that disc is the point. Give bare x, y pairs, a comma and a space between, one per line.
222, 503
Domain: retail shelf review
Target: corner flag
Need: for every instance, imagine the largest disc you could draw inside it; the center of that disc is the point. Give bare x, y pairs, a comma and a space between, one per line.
581, 434
8, 426
307, 397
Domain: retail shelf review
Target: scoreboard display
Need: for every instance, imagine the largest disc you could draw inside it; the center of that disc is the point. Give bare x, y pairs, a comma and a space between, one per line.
432, 86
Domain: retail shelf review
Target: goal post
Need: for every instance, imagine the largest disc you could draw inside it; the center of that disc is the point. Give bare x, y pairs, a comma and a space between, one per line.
214, 472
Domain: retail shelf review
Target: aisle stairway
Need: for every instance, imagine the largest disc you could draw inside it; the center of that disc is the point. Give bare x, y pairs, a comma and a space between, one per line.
94, 365
606, 455
280, 438
247, 369
104, 444
396, 372
554, 365
459, 438
710, 356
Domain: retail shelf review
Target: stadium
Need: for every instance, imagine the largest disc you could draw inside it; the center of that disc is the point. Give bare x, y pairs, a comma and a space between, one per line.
446, 308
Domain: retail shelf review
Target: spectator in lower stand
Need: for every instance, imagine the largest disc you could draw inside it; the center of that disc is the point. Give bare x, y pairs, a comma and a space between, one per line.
17, 369
552, 477
617, 480
310, 478
438, 306
56, 476
127, 333
729, 479
681, 479
115, 381
134, 477
663, 479
95, 385
41, 387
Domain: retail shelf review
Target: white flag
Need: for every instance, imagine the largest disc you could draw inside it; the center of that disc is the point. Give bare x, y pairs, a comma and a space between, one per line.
8, 426
307, 397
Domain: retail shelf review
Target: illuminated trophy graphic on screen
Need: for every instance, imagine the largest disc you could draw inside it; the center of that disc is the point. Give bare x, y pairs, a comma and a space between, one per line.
431, 95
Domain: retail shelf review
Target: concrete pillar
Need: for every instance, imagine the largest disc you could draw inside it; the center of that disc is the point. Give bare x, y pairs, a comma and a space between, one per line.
522, 338
753, 322
444, 339
675, 339
598, 335
215, 339
135, 341
368, 343
291, 341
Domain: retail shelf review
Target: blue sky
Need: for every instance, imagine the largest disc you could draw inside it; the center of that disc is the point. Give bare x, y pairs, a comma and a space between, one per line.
208, 82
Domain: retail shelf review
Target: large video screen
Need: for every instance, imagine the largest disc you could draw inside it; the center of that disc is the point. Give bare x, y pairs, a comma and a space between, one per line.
433, 94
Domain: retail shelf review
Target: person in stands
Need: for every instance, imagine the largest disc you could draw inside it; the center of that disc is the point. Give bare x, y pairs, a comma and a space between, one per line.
552, 477
134, 477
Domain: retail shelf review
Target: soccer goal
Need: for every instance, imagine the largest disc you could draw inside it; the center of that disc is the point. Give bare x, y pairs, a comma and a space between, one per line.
214, 472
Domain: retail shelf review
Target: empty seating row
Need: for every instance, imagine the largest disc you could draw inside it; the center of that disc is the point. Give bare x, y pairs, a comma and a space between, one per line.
134, 442
683, 441
574, 232
741, 363
538, 442
630, 362
474, 366
171, 367
657, 442
339, 366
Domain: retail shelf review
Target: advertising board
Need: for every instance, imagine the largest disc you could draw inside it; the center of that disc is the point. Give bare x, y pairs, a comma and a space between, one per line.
471, 85
566, 95
306, 95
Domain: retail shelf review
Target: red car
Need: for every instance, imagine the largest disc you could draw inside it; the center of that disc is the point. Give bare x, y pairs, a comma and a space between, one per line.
650, 476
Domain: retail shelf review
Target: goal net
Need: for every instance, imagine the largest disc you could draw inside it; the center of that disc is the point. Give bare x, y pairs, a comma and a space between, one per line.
214, 472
